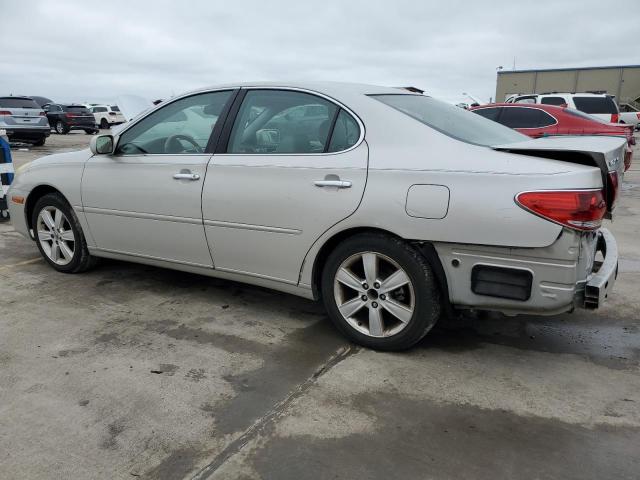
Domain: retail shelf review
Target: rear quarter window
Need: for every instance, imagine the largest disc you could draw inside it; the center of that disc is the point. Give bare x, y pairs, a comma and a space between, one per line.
517, 117
595, 104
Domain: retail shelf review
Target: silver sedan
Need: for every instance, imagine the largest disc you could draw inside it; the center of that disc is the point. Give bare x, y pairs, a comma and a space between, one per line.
390, 206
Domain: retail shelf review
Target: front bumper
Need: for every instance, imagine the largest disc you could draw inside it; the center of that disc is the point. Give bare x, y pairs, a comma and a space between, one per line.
600, 281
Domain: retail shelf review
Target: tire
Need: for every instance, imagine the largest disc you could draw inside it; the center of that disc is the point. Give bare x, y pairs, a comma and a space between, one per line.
104, 125
68, 227
40, 142
395, 259
90, 131
61, 128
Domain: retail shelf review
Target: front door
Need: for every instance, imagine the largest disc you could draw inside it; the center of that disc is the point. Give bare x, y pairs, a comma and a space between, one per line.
145, 199
294, 165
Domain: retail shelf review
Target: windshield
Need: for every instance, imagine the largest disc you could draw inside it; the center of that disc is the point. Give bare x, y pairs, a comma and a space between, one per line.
17, 102
451, 120
595, 104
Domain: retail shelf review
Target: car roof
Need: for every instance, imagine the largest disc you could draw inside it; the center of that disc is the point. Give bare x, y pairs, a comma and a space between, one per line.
327, 87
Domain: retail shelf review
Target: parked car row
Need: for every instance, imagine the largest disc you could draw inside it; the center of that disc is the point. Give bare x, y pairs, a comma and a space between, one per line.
541, 120
30, 119
599, 105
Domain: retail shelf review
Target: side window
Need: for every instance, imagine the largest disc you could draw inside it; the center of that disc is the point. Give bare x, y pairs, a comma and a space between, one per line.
99, 109
525, 100
553, 101
514, 117
346, 133
489, 113
54, 108
181, 127
279, 121
545, 120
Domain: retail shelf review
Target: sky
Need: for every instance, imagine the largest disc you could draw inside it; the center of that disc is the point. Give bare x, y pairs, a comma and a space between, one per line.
86, 51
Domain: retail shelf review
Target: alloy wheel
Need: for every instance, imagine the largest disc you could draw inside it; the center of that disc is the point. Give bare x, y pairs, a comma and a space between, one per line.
55, 235
374, 294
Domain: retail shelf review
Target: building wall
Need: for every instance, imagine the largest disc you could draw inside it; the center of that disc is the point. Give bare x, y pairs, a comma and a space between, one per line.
623, 82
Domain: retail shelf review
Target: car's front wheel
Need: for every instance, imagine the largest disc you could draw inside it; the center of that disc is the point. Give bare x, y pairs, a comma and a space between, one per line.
59, 235
380, 292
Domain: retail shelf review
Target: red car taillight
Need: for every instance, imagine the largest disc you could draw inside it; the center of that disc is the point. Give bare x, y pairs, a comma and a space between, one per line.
577, 209
615, 117
70, 115
4, 112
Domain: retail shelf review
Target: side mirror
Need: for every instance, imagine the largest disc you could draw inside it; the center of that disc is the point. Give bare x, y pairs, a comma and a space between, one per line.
101, 144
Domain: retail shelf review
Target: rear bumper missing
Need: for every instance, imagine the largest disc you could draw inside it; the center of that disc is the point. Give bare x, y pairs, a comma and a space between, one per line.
577, 271
600, 281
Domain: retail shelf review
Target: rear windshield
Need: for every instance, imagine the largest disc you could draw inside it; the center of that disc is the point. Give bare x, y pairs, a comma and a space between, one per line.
75, 109
595, 104
451, 120
114, 108
16, 102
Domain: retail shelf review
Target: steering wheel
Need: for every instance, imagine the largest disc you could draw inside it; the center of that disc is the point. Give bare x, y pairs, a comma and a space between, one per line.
171, 139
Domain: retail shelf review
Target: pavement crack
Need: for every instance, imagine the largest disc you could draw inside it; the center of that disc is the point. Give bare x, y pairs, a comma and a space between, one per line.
274, 414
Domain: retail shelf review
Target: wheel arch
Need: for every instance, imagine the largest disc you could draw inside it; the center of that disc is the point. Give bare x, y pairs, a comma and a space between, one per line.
425, 248
33, 197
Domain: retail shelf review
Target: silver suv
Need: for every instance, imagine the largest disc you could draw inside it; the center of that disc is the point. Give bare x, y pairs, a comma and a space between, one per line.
24, 120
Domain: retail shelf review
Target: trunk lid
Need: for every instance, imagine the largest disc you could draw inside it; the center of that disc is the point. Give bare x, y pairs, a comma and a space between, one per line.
605, 152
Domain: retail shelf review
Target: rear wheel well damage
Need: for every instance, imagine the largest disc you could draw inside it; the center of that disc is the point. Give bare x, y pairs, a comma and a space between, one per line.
37, 193
426, 249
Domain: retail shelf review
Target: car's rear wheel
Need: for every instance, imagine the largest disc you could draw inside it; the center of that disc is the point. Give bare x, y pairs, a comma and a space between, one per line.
380, 292
59, 235
104, 125
39, 142
90, 131
61, 128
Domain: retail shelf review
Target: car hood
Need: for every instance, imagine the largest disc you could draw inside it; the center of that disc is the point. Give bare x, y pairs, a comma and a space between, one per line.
133, 105
79, 156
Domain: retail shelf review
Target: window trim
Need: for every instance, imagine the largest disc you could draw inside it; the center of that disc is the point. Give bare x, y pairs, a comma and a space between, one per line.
223, 143
211, 143
514, 105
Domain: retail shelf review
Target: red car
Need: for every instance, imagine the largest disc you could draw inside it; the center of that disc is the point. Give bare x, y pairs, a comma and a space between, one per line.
539, 120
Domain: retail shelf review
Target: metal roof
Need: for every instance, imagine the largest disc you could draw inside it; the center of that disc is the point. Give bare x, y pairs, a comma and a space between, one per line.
532, 70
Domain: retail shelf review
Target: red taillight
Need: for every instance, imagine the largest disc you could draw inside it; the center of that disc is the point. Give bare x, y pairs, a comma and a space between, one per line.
4, 112
70, 115
638, 115
614, 118
578, 209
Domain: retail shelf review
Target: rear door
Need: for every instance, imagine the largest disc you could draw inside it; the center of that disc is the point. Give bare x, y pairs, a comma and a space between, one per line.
293, 164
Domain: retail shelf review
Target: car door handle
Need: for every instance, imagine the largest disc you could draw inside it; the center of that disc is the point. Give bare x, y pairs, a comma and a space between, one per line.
186, 176
333, 183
